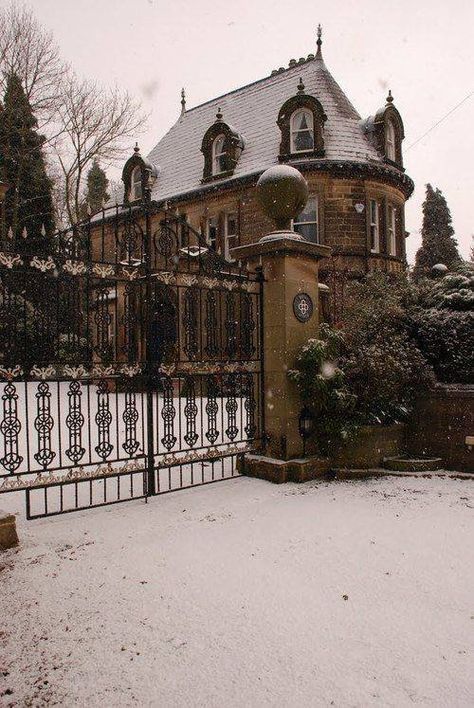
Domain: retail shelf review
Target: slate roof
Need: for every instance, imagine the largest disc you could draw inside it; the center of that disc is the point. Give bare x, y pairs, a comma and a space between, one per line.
253, 111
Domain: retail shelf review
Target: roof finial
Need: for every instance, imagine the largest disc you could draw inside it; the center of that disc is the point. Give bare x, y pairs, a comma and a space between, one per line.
183, 101
389, 97
219, 114
136, 148
319, 43
300, 85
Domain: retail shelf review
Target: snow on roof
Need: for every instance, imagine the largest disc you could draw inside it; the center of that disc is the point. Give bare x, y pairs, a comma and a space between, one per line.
253, 111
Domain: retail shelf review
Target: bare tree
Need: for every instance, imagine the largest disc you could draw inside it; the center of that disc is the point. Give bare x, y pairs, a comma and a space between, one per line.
31, 53
95, 123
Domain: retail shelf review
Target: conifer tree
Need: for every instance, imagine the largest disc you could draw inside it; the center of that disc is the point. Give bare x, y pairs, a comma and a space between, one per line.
28, 202
437, 244
96, 193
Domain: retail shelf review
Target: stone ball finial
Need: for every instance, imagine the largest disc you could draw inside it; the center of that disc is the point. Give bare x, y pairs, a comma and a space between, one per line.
282, 192
439, 269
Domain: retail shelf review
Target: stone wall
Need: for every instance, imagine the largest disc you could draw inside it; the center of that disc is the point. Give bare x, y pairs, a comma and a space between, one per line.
341, 227
369, 448
440, 424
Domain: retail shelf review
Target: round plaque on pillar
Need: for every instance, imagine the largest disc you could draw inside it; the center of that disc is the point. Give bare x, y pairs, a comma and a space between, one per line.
302, 307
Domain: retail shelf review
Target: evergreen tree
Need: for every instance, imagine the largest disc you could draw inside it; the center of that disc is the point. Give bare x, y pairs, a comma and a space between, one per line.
437, 244
28, 202
96, 193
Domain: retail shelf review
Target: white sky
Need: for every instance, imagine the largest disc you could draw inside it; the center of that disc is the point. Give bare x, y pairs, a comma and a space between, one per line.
421, 49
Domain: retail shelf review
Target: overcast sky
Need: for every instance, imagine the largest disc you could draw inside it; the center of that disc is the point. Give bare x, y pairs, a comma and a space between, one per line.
421, 49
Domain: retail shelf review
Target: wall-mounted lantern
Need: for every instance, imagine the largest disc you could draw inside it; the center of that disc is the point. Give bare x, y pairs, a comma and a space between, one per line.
305, 426
359, 207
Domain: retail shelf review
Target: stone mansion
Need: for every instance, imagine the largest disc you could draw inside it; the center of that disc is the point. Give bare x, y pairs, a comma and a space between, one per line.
207, 165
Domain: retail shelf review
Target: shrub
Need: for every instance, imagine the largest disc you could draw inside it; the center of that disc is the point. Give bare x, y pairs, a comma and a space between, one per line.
323, 388
453, 292
444, 325
382, 362
369, 370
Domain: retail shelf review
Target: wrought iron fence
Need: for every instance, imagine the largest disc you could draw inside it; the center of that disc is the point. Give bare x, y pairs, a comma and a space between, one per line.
131, 359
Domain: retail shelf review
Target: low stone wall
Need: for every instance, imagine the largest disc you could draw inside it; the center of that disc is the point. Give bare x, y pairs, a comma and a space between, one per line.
372, 444
8, 534
440, 424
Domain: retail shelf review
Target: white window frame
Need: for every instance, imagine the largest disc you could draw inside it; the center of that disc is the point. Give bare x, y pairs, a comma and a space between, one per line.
390, 139
392, 230
212, 243
216, 156
136, 186
374, 226
295, 222
228, 236
294, 132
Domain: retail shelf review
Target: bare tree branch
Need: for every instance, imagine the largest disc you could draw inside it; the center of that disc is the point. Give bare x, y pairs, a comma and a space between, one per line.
30, 52
94, 123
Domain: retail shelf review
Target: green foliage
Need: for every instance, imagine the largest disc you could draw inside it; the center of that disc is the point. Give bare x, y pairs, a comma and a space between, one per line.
453, 292
323, 387
446, 339
28, 203
383, 365
370, 369
444, 325
96, 192
438, 244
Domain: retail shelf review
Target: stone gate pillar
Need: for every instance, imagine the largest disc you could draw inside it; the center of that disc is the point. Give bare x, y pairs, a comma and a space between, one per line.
290, 312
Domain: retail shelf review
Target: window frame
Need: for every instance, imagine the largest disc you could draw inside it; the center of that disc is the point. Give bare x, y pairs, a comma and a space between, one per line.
134, 183
213, 243
218, 156
294, 132
295, 222
296, 103
227, 235
374, 226
391, 141
392, 230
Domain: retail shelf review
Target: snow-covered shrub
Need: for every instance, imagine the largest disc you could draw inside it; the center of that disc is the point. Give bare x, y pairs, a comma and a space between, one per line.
444, 325
383, 365
453, 292
323, 388
369, 370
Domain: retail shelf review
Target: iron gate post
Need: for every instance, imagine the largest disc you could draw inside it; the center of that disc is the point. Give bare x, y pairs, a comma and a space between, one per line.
149, 477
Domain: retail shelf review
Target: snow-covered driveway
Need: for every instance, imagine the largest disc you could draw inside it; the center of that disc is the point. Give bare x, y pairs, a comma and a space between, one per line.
247, 594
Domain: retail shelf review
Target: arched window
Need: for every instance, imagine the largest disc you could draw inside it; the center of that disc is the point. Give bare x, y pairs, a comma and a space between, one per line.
221, 147
218, 155
390, 138
136, 188
302, 131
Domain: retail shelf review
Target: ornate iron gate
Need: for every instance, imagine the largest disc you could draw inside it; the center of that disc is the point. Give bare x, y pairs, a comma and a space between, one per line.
131, 361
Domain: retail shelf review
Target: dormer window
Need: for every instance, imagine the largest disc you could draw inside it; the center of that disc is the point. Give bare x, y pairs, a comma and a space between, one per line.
136, 186
301, 120
218, 155
138, 174
302, 131
221, 147
390, 138
386, 132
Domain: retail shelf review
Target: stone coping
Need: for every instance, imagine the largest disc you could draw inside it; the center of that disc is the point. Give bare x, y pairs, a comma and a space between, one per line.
281, 242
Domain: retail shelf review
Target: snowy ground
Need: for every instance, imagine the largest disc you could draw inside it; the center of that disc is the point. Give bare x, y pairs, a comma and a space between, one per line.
246, 594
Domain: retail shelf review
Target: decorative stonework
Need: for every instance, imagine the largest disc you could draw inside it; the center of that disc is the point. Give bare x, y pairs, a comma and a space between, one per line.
303, 307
